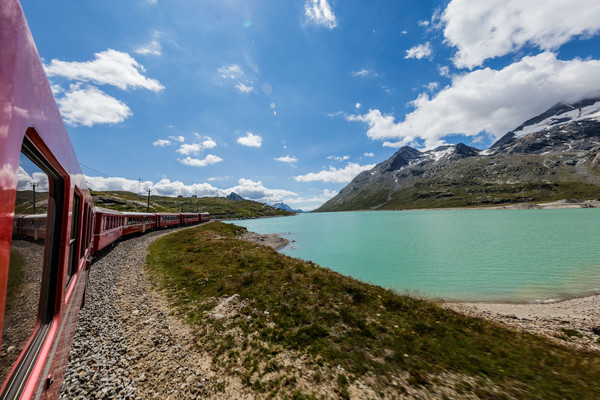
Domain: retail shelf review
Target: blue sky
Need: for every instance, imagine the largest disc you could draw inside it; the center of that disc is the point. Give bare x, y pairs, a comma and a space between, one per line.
289, 100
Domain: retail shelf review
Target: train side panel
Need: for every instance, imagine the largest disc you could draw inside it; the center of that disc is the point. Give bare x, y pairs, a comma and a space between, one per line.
32, 131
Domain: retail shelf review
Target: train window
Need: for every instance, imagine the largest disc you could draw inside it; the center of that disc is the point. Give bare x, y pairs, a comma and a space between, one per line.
73, 241
33, 268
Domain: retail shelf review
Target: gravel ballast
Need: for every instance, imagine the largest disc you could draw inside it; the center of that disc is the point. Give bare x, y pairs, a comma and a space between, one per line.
126, 346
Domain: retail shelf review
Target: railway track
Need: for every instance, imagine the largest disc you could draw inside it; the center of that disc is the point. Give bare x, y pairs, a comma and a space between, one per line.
126, 345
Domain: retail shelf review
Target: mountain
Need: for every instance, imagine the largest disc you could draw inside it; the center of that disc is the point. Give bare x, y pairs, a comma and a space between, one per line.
235, 197
285, 207
553, 156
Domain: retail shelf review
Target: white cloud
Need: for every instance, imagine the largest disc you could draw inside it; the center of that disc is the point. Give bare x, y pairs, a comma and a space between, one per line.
194, 148
287, 159
431, 86
187, 149
495, 101
357, 105
196, 162
369, 155
178, 138
444, 71
162, 142
250, 140
335, 175
232, 71
486, 29
109, 67
320, 13
243, 88
420, 51
424, 23
208, 143
338, 158
88, 106
364, 73
25, 181
256, 191
246, 188
151, 48
310, 203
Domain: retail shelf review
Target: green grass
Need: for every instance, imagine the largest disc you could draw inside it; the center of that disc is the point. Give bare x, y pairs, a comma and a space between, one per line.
218, 207
330, 320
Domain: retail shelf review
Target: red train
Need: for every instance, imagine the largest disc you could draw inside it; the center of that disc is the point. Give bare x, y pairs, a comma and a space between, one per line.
43, 281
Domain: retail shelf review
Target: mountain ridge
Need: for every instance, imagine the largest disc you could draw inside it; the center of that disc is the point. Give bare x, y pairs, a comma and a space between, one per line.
554, 154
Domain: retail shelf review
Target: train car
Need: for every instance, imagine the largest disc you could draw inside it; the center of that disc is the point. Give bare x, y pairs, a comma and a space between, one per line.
33, 226
108, 227
40, 302
138, 222
164, 220
189, 218
204, 217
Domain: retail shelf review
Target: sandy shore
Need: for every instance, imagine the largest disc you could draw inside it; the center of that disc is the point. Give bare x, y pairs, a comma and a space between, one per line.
574, 322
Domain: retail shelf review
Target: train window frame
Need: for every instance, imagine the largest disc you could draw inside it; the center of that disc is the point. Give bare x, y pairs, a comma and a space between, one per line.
74, 236
36, 151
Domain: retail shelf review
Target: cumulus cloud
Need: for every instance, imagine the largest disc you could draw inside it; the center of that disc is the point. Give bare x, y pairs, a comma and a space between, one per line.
310, 203
25, 180
89, 105
187, 149
250, 140
109, 67
369, 155
287, 159
178, 138
207, 143
194, 148
494, 101
197, 162
161, 143
335, 175
419, 51
320, 13
256, 191
482, 30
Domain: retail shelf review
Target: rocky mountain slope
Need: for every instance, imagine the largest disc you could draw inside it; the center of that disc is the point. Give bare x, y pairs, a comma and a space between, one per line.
553, 156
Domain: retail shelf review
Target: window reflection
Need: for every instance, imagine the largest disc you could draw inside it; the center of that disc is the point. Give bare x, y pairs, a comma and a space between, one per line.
26, 263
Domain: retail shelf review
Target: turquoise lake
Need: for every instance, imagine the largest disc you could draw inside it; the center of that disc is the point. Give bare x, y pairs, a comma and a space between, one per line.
487, 255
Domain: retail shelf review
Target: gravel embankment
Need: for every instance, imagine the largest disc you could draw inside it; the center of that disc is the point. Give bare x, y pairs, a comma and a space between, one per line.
126, 346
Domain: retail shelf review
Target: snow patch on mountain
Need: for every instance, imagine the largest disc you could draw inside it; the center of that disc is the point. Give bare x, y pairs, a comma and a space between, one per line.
576, 114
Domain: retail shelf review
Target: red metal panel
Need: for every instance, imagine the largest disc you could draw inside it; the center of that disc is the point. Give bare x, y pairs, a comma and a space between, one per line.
26, 101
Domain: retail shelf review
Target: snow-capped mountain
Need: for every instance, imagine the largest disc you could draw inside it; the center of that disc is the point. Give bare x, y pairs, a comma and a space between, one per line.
564, 127
554, 155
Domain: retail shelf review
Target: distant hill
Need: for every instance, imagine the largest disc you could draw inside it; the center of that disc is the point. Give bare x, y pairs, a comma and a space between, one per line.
218, 207
235, 197
553, 156
283, 206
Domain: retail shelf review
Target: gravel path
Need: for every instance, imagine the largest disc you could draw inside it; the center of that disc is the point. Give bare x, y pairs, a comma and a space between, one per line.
126, 346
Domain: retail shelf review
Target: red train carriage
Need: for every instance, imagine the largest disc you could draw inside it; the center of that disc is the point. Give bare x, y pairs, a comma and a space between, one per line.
138, 222
189, 218
32, 226
108, 227
204, 217
167, 219
42, 283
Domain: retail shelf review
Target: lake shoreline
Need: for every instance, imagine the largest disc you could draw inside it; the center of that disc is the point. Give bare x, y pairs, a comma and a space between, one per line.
574, 322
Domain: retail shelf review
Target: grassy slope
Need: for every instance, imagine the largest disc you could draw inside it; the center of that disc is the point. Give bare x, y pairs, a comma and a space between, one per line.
218, 207
481, 181
375, 335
